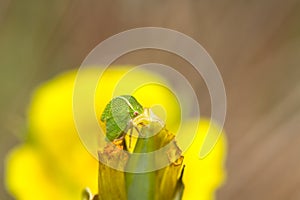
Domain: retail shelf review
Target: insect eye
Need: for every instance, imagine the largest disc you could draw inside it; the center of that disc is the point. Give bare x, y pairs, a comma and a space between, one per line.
135, 113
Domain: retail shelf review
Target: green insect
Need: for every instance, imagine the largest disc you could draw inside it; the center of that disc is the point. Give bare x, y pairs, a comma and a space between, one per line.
118, 116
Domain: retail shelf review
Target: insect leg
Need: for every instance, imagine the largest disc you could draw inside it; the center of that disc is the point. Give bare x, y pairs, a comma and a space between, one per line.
130, 135
137, 129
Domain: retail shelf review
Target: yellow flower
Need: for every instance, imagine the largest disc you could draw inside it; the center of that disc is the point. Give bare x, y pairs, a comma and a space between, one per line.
53, 163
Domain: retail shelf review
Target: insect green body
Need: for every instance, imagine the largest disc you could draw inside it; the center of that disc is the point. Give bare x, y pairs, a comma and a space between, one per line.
118, 115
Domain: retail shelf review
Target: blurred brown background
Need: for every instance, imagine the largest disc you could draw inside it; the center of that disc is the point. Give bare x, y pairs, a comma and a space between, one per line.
255, 44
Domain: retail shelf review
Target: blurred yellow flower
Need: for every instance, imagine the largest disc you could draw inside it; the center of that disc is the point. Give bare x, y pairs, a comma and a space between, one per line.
53, 163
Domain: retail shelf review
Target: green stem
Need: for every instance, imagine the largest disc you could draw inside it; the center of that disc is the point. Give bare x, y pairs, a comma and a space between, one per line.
141, 185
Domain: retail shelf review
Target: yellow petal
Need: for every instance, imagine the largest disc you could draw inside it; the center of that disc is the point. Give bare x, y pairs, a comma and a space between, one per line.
28, 178
203, 177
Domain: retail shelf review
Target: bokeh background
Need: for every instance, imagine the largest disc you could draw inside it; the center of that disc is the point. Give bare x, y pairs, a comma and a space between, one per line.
255, 44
